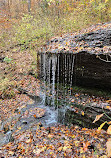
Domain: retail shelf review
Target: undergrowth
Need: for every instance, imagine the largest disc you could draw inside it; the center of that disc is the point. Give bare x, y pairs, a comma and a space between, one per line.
54, 18
50, 18
6, 88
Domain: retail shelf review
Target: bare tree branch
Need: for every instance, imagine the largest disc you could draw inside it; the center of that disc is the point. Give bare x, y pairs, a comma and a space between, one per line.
104, 59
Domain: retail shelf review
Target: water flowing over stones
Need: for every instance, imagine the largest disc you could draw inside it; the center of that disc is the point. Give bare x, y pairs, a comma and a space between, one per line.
59, 73
82, 60
56, 70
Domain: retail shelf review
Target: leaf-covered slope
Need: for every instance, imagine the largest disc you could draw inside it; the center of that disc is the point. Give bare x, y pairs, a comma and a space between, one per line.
96, 39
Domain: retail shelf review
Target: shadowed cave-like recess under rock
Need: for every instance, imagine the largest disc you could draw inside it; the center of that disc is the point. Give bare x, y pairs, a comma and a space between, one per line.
79, 59
82, 59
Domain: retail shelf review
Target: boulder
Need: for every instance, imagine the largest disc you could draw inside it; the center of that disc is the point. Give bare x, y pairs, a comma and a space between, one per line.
82, 59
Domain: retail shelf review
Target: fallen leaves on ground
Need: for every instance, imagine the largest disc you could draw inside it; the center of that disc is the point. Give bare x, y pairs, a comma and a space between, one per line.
109, 130
101, 126
70, 42
108, 144
62, 141
34, 112
53, 142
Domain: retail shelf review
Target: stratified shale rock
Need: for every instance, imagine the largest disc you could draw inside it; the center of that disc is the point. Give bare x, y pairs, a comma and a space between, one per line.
81, 59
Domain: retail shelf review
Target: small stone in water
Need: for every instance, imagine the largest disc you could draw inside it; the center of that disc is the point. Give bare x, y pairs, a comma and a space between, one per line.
6, 128
24, 122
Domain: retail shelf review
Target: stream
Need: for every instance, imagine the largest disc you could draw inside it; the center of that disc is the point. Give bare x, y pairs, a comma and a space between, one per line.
59, 92
59, 98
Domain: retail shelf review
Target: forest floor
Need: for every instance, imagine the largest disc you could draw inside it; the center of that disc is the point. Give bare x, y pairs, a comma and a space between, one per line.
50, 142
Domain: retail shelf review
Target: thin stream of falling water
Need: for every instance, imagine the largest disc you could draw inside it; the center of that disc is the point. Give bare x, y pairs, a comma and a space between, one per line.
53, 80
44, 76
57, 84
65, 85
47, 84
67, 71
65, 62
63, 71
73, 59
54, 61
70, 73
57, 68
48, 79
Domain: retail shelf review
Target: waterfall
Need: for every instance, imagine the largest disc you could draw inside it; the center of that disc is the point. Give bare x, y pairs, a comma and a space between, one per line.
54, 64
57, 70
43, 73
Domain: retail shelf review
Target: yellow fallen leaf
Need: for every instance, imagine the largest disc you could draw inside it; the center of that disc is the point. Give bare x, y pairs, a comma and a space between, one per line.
76, 143
109, 122
80, 48
108, 101
104, 156
82, 112
108, 107
38, 126
81, 150
29, 141
98, 117
43, 148
101, 126
60, 148
11, 152
109, 130
60, 47
108, 145
19, 128
37, 151
66, 43
65, 154
106, 1
84, 156
64, 148
73, 136
50, 136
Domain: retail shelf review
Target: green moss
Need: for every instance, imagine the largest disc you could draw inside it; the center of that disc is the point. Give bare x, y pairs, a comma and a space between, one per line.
92, 91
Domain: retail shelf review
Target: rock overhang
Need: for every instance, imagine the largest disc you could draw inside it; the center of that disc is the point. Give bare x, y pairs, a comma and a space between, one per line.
92, 51
96, 40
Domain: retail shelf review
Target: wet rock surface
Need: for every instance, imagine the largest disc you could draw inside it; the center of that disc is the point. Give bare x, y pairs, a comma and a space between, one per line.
27, 116
99, 38
81, 59
90, 71
6, 137
28, 130
95, 40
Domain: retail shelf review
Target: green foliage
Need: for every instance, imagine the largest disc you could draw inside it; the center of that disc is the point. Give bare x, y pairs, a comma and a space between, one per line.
30, 28
91, 91
7, 60
53, 17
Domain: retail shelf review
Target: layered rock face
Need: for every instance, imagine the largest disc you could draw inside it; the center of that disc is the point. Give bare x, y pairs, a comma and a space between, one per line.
91, 71
82, 59
93, 68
